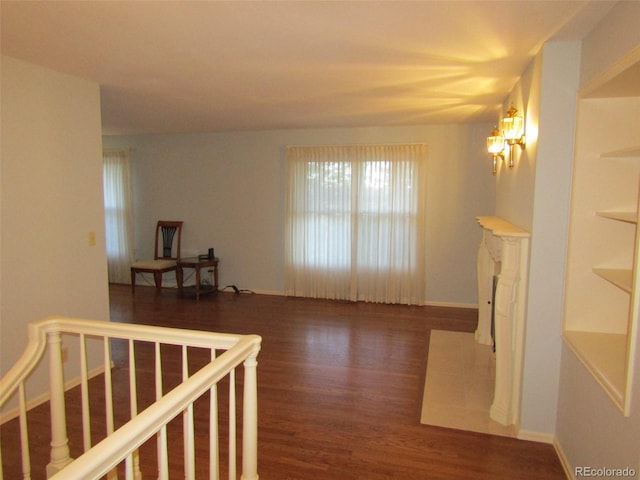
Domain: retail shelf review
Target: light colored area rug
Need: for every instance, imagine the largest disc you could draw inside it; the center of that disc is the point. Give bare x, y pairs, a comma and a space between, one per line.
459, 383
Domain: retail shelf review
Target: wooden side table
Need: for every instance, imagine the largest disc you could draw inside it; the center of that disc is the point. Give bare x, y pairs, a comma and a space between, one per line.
196, 263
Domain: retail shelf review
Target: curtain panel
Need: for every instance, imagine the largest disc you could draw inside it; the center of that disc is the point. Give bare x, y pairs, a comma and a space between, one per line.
355, 222
118, 208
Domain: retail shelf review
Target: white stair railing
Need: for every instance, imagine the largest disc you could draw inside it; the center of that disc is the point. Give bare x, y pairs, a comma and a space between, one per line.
119, 451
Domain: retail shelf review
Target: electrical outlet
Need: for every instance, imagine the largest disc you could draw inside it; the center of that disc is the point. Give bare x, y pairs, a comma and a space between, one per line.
65, 354
91, 239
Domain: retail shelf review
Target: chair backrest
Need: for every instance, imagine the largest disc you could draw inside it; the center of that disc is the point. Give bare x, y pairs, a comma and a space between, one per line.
166, 233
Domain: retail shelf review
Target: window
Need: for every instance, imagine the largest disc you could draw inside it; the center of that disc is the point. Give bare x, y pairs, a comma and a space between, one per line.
355, 222
118, 214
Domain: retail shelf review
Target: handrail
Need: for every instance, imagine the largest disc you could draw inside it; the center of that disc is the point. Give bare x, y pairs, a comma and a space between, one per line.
37, 342
29, 359
116, 447
122, 445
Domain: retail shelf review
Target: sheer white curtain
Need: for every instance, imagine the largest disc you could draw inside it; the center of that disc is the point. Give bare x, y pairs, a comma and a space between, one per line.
118, 209
355, 224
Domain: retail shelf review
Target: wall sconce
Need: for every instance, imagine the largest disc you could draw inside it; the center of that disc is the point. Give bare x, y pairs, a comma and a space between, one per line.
513, 131
512, 128
495, 146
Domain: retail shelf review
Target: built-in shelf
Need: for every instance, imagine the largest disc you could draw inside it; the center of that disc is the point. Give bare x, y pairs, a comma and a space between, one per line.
604, 355
600, 322
629, 217
620, 277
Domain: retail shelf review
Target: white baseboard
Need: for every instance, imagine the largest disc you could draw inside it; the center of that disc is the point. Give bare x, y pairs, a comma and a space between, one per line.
553, 440
450, 304
539, 437
427, 303
44, 397
566, 465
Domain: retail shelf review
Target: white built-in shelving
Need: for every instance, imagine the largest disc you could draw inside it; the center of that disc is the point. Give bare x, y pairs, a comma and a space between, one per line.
620, 277
602, 291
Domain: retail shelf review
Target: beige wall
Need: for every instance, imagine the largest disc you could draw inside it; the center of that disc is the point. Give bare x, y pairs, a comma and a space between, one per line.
51, 197
229, 188
607, 45
515, 187
535, 195
555, 124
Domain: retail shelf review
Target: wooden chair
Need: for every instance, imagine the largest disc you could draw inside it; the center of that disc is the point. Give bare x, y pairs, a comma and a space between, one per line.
166, 254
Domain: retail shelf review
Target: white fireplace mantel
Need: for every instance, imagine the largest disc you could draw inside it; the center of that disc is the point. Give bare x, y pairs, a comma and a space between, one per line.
503, 254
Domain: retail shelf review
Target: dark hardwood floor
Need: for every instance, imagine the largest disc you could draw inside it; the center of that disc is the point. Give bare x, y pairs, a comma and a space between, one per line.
339, 388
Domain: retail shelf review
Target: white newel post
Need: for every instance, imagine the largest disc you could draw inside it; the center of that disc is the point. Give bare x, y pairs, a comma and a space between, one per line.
504, 252
59, 442
250, 420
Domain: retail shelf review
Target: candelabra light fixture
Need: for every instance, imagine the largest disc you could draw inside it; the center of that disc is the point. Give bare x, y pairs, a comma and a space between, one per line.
513, 128
511, 133
495, 147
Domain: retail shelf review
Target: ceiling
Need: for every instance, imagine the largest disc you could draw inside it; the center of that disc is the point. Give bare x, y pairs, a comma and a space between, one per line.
196, 66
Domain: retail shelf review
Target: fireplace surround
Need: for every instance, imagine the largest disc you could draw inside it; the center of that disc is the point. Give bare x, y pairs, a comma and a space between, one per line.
504, 254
